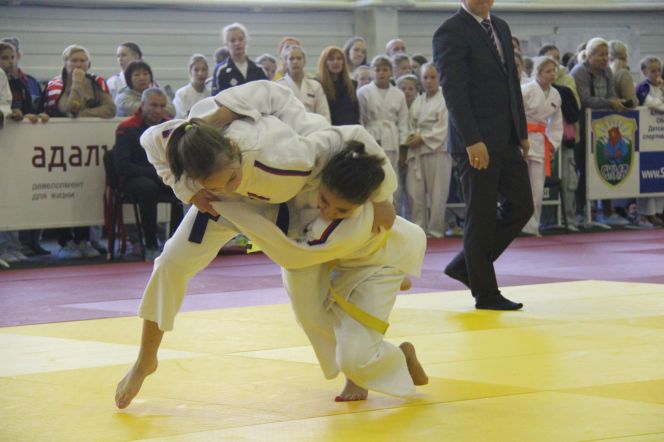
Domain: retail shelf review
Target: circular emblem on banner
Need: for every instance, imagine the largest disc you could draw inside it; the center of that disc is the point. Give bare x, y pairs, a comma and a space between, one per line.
613, 145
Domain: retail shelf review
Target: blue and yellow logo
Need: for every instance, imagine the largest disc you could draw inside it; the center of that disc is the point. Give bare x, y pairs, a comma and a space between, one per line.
614, 141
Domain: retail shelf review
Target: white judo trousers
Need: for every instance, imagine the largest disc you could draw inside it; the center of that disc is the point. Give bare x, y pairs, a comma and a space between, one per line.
341, 343
430, 164
428, 185
180, 260
540, 109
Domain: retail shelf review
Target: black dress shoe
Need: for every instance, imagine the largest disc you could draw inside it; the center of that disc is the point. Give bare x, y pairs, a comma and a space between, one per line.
459, 276
497, 302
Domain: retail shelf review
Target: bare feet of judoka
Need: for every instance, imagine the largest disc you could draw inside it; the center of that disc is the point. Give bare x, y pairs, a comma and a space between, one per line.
352, 392
131, 384
414, 367
406, 284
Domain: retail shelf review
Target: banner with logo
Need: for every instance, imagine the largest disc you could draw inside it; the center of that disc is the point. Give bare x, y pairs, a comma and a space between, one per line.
52, 174
625, 154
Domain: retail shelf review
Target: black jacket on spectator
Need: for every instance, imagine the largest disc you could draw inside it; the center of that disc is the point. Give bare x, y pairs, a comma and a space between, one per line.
130, 157
21, 97
344, 110
228, 75
570, 109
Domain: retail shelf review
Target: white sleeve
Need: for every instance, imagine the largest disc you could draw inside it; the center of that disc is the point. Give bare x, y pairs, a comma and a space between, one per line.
321, 106
348, 236
364, 106
435, 136
5, 94
180, 111
654, 103
154, 143
265, 97
402, 116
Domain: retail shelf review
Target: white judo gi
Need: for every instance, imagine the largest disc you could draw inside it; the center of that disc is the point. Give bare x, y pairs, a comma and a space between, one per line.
545, 121
310, 93
429, 165
384, 113
276, 165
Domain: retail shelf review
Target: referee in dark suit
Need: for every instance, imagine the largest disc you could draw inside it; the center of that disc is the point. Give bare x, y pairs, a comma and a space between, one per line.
489, 139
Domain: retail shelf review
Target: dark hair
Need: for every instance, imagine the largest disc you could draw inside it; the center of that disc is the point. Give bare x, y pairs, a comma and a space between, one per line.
198, 150
421, 59
135, 66
352, 174
349, 45
133, 47
546, 48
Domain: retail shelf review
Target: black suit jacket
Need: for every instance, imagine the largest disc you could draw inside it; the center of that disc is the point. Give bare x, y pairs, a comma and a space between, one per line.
483, 95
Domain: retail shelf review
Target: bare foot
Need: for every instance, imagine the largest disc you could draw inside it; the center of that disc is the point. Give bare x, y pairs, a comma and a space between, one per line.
414, 367
131, 384
406, 284
352, 392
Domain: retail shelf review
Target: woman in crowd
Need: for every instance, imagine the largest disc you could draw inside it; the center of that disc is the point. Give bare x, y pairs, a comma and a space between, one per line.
338, 86
138, 76
125, 54
355, 51
76, 92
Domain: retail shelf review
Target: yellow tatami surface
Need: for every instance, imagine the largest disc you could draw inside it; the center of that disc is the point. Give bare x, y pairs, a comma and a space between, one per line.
584, 361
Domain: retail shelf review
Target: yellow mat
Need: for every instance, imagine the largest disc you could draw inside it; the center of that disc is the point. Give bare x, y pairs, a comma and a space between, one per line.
584, 361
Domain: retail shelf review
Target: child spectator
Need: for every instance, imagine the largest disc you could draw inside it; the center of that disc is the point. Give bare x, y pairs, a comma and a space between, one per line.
307, 90
269, 65
429, 161
401, 65
650, 92
238, 68
283, 45
408, 85
362, 75
196, 90
542, 105
384, 112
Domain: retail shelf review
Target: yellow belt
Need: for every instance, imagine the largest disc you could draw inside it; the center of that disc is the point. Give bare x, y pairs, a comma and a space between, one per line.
364, 318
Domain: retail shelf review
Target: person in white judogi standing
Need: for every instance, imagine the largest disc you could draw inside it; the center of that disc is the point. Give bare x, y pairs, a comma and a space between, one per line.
545, 130
384, 113
307, 90
429, 161
259, 158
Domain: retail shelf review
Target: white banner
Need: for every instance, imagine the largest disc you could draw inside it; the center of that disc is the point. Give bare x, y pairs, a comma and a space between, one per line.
624, 154
52, 175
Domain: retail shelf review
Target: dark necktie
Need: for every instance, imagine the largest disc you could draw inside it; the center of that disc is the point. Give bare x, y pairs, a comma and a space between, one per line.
486, 23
